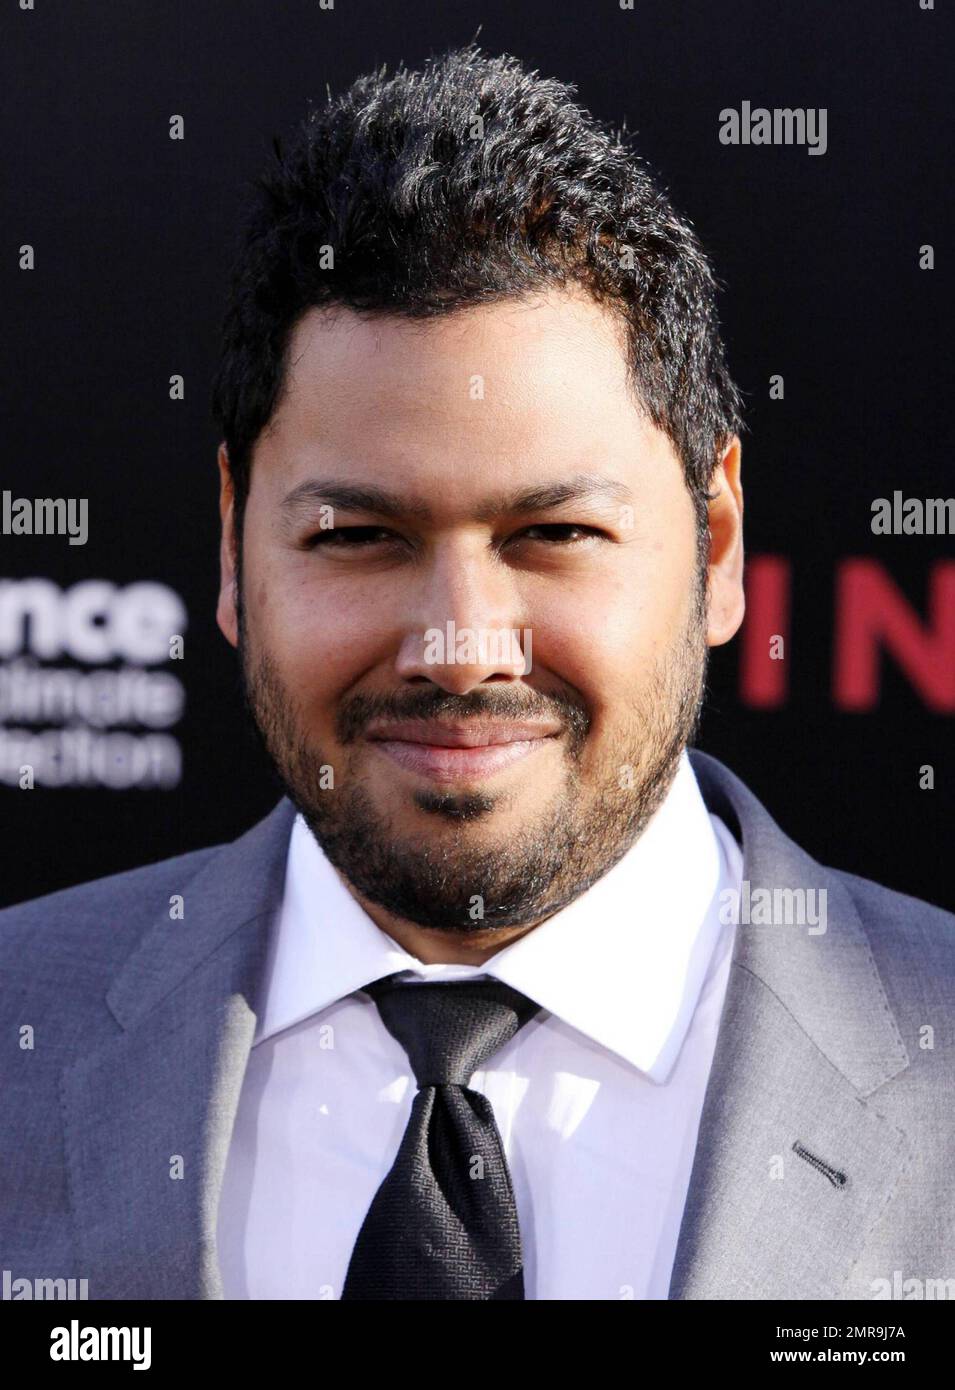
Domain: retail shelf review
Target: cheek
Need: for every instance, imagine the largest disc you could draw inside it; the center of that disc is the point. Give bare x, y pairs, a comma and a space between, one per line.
320, 638
605, 639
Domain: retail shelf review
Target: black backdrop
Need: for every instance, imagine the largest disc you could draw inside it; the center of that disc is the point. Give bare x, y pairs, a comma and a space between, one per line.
820, 259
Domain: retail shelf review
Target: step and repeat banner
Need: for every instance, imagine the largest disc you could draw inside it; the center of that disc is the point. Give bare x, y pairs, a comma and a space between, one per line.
808, 145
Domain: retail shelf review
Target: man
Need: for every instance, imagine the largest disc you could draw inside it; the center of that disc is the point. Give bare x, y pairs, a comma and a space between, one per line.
481, 1010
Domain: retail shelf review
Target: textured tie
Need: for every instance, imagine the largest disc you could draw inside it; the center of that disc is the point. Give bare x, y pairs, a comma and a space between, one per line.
443, 1223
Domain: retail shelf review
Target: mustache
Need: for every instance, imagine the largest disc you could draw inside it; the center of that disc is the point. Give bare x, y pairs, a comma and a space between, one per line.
357, 712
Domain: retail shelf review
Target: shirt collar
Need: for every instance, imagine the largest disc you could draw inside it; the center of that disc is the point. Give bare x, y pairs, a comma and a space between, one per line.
624, 963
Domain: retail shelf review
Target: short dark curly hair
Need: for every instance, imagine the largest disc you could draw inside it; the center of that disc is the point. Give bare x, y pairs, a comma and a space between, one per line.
466, 183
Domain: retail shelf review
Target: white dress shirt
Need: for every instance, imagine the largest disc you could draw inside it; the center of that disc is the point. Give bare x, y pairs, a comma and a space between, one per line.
597, 1098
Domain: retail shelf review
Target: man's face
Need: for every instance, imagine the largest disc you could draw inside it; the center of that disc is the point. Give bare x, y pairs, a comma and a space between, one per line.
460, 420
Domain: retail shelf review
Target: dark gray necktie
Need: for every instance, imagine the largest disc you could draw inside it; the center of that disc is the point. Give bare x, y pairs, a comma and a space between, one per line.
443, 1223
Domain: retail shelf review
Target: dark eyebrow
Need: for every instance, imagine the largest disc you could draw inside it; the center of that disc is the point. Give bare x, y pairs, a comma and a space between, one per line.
349, 497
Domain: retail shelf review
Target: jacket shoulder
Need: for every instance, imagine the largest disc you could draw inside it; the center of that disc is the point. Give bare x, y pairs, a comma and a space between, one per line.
100, 918
912, 941
899, 911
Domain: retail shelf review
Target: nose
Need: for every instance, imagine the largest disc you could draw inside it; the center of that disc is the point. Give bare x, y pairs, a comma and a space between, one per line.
464, 624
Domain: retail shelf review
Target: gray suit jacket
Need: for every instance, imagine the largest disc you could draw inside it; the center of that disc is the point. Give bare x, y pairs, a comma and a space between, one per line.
839, 1042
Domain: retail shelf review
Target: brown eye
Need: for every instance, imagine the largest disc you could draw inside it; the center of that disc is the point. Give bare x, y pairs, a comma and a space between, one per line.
348, 537
556, 532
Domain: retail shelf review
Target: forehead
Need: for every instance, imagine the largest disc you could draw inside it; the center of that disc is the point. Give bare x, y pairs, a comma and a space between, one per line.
497, 392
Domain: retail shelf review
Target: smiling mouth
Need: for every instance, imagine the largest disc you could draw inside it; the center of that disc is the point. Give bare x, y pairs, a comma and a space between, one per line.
449, 753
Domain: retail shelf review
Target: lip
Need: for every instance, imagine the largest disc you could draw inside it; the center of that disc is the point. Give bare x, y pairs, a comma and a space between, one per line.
450, 753
467, 734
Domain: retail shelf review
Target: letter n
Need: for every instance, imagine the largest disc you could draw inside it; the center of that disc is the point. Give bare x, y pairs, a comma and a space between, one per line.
871, 614
763, 681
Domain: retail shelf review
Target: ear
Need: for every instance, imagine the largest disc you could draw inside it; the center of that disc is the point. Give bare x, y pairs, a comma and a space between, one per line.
727, 602
226, 614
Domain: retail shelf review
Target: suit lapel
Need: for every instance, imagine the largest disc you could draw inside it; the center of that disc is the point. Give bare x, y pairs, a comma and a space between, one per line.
806, 1033
148, 1116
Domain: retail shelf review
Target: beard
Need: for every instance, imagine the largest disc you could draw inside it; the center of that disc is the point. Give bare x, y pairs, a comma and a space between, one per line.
452, 883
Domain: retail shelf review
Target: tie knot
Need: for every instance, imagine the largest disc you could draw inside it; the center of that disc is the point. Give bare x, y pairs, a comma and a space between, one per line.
450, 1030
